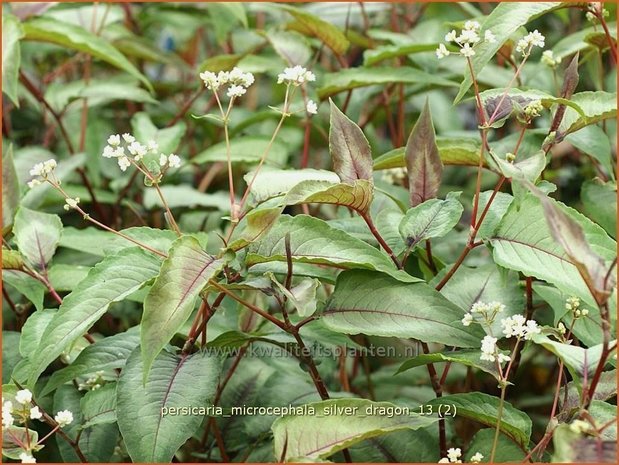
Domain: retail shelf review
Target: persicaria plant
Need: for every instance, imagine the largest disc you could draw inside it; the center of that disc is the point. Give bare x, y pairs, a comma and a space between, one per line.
357, 232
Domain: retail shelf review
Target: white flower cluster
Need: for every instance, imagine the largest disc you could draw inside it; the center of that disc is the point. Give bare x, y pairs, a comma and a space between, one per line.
483, 311
393, 175
42, 171
296, 75
596, 9
23, 412
532, 39
490, 351
468, 38
237, 79
453, 456
580, 427
134, 151
477, 457
548, 59
573, 304
71, 203
518, 326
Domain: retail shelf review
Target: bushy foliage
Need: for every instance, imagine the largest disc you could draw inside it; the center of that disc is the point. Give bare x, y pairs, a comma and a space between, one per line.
320, 232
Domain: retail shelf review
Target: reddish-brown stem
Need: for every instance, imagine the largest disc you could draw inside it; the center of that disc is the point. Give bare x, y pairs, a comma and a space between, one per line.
609, 37
454, 268
368, 220
438, 391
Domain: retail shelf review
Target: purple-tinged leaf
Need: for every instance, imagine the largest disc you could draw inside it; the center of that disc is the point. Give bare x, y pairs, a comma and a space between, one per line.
570, 81
350, 150
423, 162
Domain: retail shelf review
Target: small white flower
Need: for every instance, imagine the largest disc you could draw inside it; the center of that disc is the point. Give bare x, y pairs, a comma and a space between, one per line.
488, 348
49, 165
451, 36
572, 303
296, 75
502, 358
33, 183
580, 426
311, 107
43, 169
561, 328
174, 161
468, 36
137, 150
109, 152
532, 39
124, 163
467, 320
238, 77
64, 418
152, 146
128, 138
163, 159
444, 460
514, 326
490, 38
7, 418
114, 140
71, 203
442, 52
477, 458
25, 457
235, 91
23, 397
471, 26
532, 328
454, 454
467, 51
35, 413
210, 80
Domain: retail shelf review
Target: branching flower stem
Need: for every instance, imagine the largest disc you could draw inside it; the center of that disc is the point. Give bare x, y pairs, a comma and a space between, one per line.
87, 217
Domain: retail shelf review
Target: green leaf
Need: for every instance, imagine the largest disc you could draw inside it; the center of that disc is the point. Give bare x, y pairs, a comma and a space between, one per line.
255, 224
353, 78
385, 52
32, 331
302, 296
10, 188
172, 297
580, 362
97, 442
336, 425
593, 141
453, 151
573, 447
186, 381
432, 218
530, 168
497, 210
484, 408
312, 25
485, 283
523, 242
245, 150
597, 106
600, 204
423, 163
570, 235
357, 194
312, 240
184, 195
111, 280
99, 406
506, 450
10, 355
349, 148
291, 46
46, 29
37, 235
12, 439
65, 277
378, 305
31, 288
168, 139
503, 21
12, 33
107, 354
271, 182
604, 413
577, 41
465, 357
12, 259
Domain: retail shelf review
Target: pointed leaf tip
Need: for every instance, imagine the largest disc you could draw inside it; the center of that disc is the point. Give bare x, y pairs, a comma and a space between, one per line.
350, 150
423, 162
